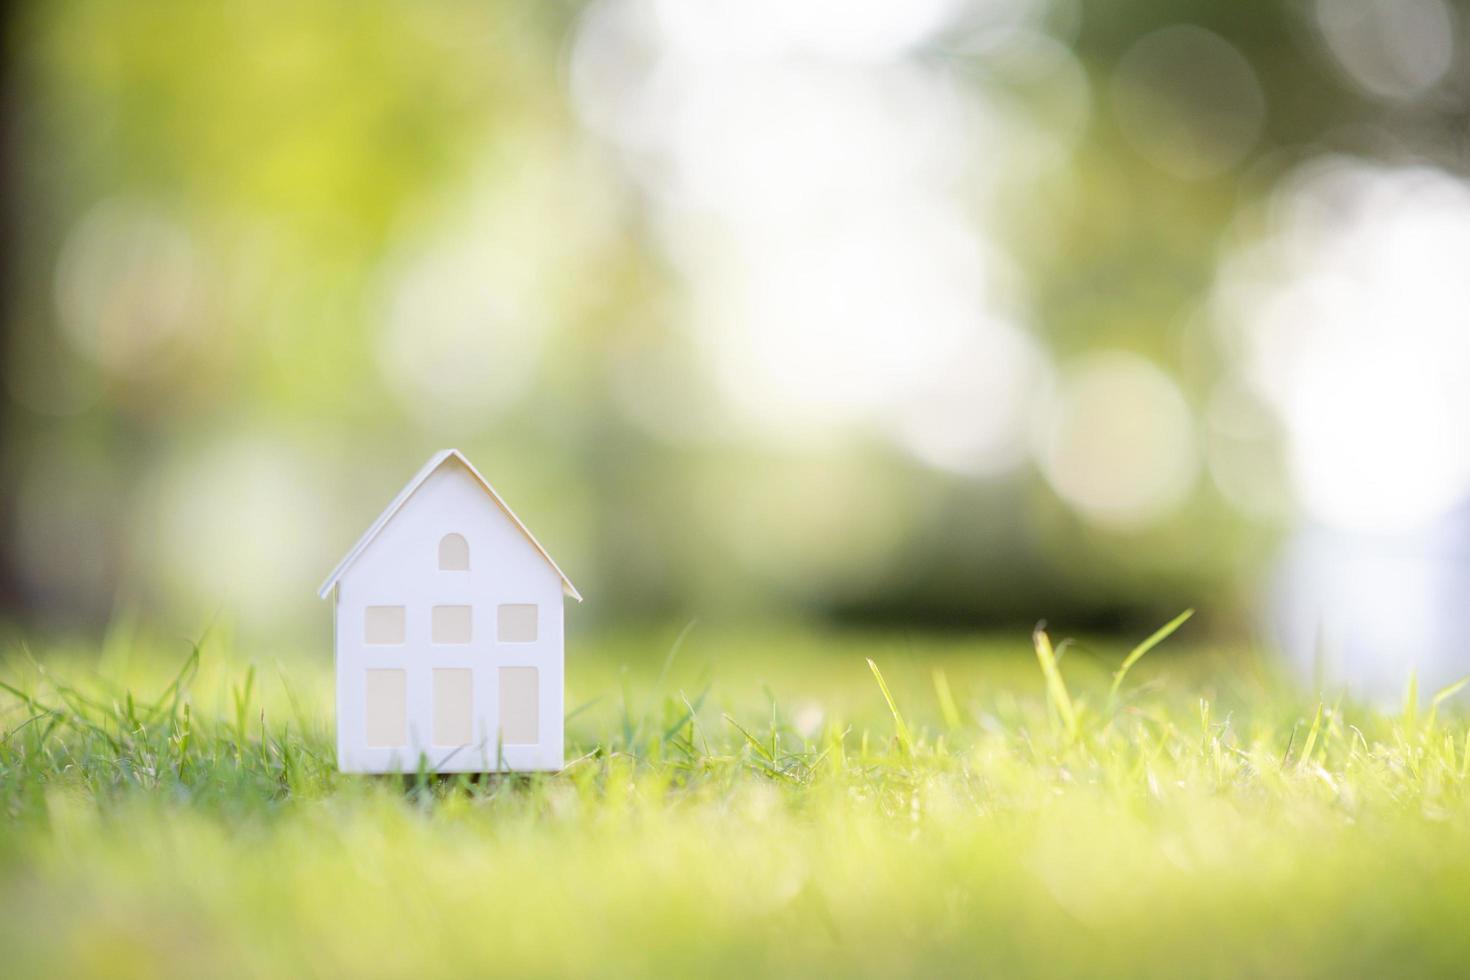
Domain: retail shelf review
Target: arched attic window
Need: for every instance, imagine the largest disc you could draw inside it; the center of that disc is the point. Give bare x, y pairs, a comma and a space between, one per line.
454, 553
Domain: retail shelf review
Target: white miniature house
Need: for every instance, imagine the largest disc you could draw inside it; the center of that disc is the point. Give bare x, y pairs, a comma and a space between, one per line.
449, 645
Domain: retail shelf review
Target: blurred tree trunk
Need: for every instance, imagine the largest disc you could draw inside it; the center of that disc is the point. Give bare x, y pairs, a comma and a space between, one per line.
9, 289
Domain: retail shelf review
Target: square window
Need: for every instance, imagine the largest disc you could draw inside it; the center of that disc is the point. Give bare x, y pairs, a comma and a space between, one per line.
384, 625
451, 624
516, 623
520, 711
386, 705
454, 705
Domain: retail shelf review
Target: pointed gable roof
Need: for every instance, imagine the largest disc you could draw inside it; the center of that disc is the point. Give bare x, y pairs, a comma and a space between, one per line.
438, 460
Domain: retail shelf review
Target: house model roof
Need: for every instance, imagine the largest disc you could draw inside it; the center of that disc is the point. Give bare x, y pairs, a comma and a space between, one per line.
438, 460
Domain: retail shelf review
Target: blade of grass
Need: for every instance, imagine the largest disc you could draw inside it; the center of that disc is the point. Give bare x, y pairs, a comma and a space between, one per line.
663, 674
1137, 653
636, 732
694, 718
947, 707
755, 743
688, 715
905, 742
581, 708
1306, 755
179, 685
1056, 688
1441, 696
1411, 700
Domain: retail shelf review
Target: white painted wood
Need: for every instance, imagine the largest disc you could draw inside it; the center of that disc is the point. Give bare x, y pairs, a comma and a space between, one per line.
399, 564
432, 466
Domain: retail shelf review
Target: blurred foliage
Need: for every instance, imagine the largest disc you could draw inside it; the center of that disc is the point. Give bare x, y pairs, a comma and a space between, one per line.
235, 224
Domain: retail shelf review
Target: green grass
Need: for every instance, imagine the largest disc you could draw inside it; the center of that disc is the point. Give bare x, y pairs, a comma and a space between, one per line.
760, 803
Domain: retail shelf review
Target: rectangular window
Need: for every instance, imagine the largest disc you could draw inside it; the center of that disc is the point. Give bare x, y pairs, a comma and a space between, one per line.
520, 713
454, 706
383, 625
516, 623
451, 624
387, 708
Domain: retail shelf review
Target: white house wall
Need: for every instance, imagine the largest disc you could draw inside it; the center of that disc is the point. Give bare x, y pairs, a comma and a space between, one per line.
400, 567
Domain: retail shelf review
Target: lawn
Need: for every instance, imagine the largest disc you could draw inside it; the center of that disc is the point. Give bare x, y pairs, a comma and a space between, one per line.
739, 804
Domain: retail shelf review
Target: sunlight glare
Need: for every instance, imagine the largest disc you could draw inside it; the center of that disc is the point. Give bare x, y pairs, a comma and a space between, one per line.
1119, 442
1349, 321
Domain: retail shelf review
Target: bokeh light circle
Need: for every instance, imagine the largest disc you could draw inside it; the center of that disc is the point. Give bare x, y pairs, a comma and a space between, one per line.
1349, 321
127, 286
456, 347
1188, 102
973, 418
1394, 49
1118, 443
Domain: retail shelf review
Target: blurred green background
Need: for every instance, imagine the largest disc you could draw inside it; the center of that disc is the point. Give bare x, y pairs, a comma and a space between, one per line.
926, 313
